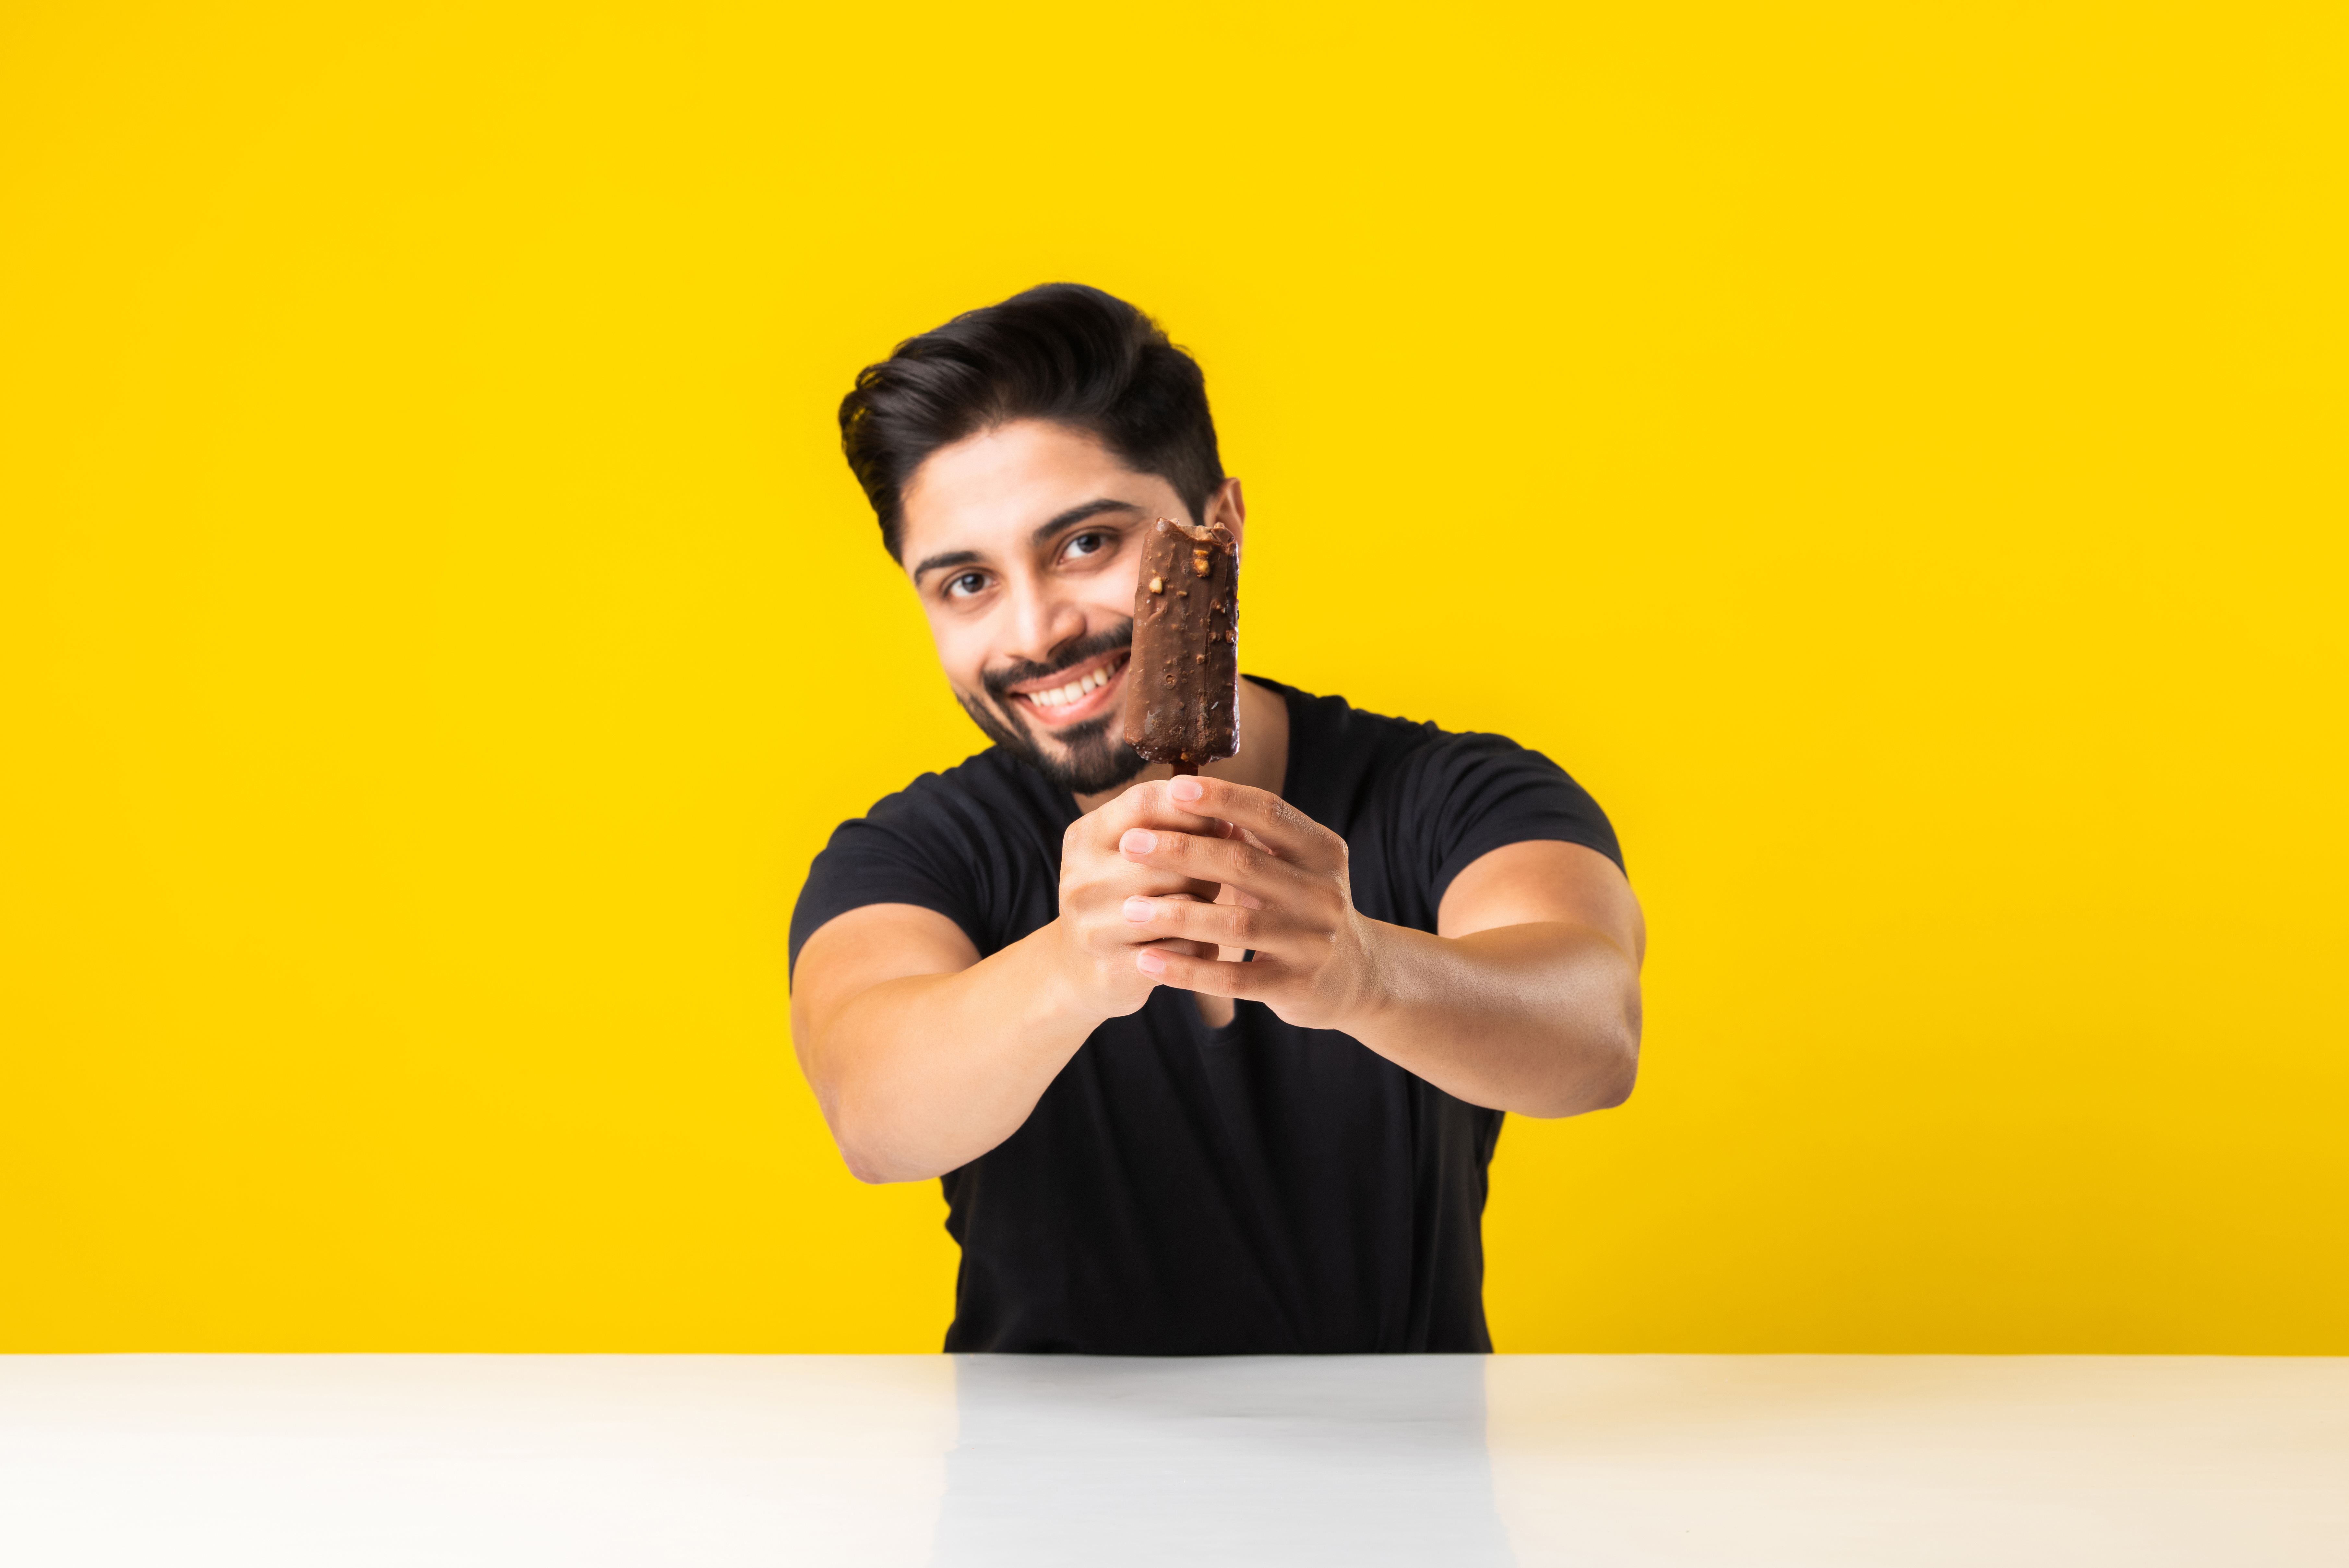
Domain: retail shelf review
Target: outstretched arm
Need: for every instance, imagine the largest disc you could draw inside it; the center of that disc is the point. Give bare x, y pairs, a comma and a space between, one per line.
923, 1055
1526, 999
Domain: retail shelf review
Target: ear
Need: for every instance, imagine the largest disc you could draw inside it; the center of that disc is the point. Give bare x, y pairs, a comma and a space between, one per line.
1228, 507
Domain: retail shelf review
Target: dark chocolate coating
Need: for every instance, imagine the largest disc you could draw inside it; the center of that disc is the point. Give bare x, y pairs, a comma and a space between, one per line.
1182, 696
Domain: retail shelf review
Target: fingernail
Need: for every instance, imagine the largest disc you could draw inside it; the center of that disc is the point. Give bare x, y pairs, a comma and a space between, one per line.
1187, 788
1139, 910
1150, 961
1138, 841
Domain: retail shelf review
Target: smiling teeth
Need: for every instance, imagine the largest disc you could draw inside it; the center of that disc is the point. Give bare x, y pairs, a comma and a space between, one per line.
1062, 696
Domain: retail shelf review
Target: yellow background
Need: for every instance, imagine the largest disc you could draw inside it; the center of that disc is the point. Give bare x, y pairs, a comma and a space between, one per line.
1891, 453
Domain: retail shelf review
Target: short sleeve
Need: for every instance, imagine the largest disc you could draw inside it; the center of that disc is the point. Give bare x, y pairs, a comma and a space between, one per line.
1478, 792
868, 863
980, 844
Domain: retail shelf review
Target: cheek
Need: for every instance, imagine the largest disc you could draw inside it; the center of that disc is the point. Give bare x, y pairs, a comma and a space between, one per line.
1109, 601
962, 647
955, 645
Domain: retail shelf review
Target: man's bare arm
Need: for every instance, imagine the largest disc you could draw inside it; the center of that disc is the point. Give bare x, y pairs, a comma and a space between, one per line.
1526, 999
1534, 977
924, 1055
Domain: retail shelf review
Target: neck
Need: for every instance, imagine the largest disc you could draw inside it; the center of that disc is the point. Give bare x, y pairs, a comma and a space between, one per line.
1262, 762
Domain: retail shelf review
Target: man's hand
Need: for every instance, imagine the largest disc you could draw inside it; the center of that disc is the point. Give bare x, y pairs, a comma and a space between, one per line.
1525, 998
1098, 883
1291, 902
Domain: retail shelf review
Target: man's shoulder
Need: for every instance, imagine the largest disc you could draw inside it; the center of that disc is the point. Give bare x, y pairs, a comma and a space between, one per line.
1424, 796
1331, 740
977, 842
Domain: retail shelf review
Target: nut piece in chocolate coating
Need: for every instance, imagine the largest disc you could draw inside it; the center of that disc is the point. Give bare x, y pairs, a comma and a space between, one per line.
1182, 700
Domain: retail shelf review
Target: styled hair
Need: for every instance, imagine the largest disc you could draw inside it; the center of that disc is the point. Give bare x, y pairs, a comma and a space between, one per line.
1062, 352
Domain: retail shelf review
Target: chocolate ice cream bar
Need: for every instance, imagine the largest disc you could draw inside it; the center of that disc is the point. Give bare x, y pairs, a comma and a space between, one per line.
1182, 703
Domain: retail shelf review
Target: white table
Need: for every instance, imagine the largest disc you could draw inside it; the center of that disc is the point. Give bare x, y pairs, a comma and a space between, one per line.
879, 1461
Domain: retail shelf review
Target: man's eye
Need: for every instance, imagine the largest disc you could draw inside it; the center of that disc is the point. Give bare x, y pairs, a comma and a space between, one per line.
966, 585
1088, 544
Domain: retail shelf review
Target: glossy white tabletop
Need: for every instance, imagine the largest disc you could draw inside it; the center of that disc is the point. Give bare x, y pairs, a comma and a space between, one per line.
879, 1461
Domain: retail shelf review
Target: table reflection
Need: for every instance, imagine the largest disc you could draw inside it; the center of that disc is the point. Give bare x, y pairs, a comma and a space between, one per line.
1063, 1460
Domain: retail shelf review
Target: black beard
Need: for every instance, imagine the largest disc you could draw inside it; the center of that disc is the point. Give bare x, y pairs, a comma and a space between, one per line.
1091, 759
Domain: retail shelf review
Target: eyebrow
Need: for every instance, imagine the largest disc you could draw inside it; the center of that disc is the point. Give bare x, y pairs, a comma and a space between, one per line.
1044, 531
951, 558
1075, 515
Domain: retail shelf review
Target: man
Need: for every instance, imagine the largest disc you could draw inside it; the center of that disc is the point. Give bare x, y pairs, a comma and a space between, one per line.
1209, 1066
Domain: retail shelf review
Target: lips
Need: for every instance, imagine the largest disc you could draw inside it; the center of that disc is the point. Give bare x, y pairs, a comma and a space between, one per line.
1076, 694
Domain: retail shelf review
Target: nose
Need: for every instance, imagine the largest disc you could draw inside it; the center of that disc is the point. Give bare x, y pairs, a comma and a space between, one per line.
1042, 622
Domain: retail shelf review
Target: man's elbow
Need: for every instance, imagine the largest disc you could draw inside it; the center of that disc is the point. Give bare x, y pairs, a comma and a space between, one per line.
866, 1169
1601, 1080
870, 1158
1615, 1086
1619, 1065
877, 1169
862, 1140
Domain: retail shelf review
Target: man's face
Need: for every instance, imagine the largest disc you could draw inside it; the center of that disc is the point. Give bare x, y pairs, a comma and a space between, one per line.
1023, 542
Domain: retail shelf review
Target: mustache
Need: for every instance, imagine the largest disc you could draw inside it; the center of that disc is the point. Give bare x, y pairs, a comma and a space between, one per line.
999, 682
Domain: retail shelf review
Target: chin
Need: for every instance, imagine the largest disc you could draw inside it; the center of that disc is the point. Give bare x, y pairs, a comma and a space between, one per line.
1084, 759
1091, 758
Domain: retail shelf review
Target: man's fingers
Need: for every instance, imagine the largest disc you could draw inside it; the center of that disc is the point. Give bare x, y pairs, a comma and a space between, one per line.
1224, 860
1189, 949
1147, 805
1242, 982
1146, 880
1282, 828
1225, 925
1141, 933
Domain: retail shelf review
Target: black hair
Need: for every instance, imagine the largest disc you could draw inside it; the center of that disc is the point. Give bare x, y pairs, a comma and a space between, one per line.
1062, 352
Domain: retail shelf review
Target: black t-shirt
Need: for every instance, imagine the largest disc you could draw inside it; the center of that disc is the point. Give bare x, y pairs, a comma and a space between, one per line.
1254, 1189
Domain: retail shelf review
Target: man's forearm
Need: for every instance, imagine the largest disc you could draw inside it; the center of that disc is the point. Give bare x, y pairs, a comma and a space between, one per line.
1543, 1020
924, 1073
